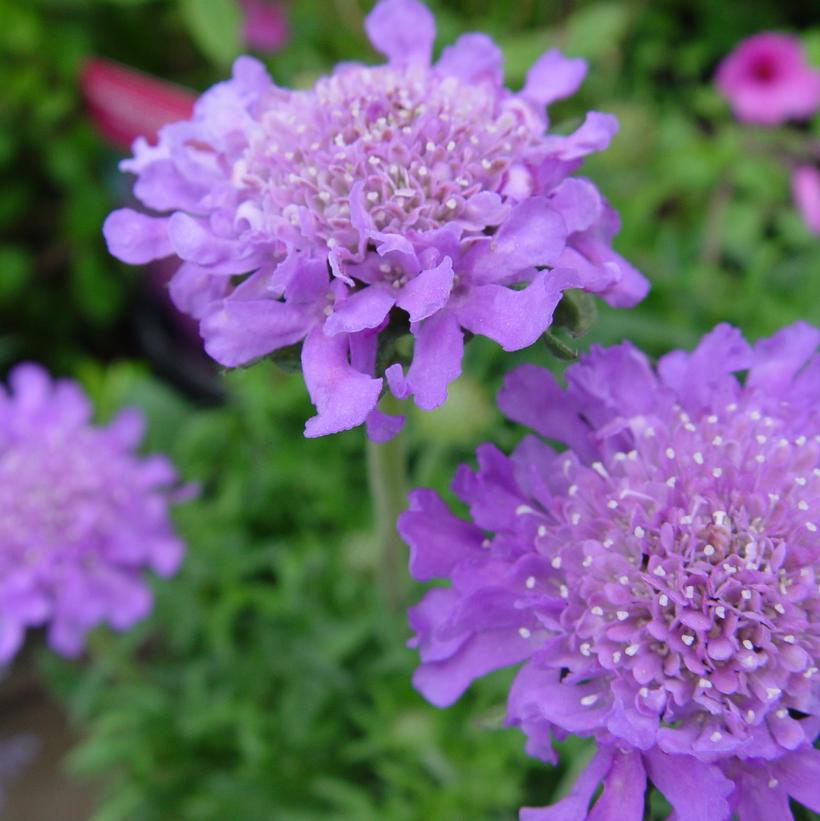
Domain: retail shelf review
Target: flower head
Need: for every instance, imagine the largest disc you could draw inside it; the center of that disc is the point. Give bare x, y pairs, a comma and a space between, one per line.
659, 578
400, 197
81, 516
767, 80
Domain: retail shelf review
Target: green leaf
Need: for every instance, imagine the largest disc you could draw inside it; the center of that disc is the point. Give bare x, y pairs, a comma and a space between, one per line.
214, 27
558, 348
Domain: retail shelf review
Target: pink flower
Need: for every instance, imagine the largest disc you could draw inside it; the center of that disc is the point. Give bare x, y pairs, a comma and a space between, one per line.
265, 25
806, 194
125, 104
767, 80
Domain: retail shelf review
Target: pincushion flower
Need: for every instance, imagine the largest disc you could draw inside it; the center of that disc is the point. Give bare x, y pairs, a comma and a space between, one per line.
659, 578
400, 197
767, 80
81, 515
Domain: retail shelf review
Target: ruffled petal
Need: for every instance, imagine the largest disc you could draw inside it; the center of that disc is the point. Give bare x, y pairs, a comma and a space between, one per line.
697, 376
799, 773
776, 360
594, 134
553, 77
761, 802
579, 202
574, 806
136, 238
382, 427
439, 347
365, 309
427, 293
238, 331
515, 319
193, 289
193, 242
531, 397
533, 235
402, 30
437, 539
624, 788
161, 187
443, 682
343, 396
697, 791
473, 58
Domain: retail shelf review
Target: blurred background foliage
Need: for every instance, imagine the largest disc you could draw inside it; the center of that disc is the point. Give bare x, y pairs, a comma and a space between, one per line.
271, 682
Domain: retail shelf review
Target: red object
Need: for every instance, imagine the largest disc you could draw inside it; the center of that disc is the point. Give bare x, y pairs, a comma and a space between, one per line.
126, 104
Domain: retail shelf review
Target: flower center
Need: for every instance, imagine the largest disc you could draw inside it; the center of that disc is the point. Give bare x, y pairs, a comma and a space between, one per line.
422, 145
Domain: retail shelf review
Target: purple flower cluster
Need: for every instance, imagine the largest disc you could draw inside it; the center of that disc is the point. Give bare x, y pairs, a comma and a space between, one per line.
407, 196
659, 578
81, 515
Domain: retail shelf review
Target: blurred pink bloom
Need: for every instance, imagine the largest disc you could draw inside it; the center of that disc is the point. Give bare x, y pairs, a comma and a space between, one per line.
806, 194
125, 104
767, 80
265, 25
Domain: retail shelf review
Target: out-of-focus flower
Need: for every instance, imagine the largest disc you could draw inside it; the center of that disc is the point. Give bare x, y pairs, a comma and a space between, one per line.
658, 578
126, 104
767, 80
81, 515
406, 196
264, 24
806, 195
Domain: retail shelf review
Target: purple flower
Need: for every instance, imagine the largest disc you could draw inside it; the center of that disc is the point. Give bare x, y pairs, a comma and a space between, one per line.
81, 516
659, 578
806, 195
767, 80
423, 198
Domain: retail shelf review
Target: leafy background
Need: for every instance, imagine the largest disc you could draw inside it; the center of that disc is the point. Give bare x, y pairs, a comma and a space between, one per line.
271, 681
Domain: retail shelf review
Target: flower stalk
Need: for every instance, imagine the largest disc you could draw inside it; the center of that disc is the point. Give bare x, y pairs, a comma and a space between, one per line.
387, 479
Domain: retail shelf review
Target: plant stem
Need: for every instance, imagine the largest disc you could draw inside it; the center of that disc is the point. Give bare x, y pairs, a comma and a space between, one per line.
386, 473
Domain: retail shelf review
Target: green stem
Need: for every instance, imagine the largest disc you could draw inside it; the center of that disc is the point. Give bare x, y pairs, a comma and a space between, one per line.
386, 472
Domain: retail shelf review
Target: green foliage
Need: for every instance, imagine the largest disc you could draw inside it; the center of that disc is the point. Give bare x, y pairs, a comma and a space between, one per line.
270, 682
